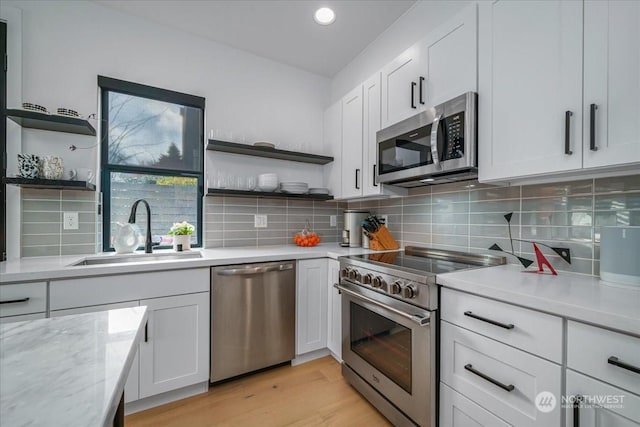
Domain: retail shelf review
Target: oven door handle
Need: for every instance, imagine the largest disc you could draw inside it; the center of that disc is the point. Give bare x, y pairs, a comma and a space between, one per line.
420, 320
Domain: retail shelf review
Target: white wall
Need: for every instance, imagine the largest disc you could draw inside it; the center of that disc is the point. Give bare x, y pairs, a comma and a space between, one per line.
66, 44
415, 24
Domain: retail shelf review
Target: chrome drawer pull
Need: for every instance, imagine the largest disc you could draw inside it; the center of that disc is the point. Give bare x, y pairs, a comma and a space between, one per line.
493, 322
509, 387
13, 301
616, 362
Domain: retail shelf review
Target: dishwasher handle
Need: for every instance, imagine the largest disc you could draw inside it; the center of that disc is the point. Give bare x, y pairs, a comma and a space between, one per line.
246, 271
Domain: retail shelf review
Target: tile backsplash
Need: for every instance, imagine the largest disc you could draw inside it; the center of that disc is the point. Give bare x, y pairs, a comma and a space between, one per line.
41, 225
468, 216
465, 216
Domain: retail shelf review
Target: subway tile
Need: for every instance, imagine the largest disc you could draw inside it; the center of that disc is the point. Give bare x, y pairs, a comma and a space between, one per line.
238, 226
83, 228
420, 191
77, 249
416, 209
558, 190
265, 233
416, 228
499, 206
416, 200
233, 210
277, 210
391, 202
458, 197
494, 218
618, 201
617, 184
213, 243
494, 193
40, 239
450, 240
617, 218
233, 243
79, 206
300, 204
454, 229
236, 217
38, 194
41, 217
41, 227
78, 238
500, 231
40, 206
213, 217
416, 219
241, 201
557, 218
449, 218
536, 232
239, 234
418, 238
70, 195
214, 227
32, 251
273, 241
462, 186
449, 208
562, 204
213, 235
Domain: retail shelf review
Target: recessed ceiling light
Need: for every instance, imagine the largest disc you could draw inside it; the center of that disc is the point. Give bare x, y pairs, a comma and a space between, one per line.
324, 16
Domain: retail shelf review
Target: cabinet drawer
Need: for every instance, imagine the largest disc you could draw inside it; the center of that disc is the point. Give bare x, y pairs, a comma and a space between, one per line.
529, 330
73, 293
458, 411
485, 370
616, 407
592, 350
25, 298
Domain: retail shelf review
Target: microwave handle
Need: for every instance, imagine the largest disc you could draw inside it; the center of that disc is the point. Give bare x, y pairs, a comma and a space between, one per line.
435, 127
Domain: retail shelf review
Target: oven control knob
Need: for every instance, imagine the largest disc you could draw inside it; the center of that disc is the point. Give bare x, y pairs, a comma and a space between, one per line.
367, 279
409, 292
396, 287
353, 273
344, 273
378, 282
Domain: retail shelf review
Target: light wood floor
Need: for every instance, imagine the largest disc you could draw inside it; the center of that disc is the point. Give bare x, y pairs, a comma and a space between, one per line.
311, 394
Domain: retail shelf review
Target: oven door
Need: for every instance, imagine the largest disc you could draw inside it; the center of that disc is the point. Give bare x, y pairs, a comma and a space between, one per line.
391, 345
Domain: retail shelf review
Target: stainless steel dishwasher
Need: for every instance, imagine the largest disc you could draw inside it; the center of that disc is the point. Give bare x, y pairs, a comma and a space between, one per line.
252, 317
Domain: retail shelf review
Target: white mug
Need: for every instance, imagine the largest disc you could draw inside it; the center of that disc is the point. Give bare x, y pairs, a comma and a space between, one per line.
81, 174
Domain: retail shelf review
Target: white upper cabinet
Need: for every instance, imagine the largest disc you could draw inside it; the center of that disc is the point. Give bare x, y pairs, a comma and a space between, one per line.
332, 140
403, 86
530, 88
611, 82
352, 143
451, 56
371, 125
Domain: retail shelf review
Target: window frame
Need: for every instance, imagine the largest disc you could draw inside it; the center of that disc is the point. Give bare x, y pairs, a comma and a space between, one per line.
108, 84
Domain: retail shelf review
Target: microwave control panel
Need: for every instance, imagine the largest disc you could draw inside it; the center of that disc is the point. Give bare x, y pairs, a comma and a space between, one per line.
454, 141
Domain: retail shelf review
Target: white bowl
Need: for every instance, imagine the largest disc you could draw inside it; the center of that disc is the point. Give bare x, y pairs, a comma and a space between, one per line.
267, 187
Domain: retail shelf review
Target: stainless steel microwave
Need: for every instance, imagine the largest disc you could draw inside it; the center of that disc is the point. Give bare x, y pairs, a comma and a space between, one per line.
435, 146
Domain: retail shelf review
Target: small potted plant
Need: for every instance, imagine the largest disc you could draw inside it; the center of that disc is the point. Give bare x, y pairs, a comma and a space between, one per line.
181, 232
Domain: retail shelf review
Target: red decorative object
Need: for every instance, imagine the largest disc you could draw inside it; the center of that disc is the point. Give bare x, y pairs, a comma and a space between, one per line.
542, 261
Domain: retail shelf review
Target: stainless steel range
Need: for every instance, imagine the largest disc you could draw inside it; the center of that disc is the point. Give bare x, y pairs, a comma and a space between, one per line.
389, 327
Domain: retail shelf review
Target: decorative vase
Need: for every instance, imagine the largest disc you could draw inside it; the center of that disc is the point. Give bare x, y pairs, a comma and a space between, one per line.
28, 165
52, 167
182, 239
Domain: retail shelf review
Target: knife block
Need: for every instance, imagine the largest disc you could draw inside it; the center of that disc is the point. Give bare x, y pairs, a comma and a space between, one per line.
382, 240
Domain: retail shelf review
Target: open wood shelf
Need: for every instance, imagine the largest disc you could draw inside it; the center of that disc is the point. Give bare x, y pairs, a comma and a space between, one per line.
272, 153
265, 194
52, 122
51, 184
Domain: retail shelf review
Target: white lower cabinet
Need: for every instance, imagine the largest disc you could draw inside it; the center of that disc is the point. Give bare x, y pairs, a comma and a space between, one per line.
131, 387
23, 298
502, 379
22, 318
175, 350
334, 315
599, 404
458, 411
311, 305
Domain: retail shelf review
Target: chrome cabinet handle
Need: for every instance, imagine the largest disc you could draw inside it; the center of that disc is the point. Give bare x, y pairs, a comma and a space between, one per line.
435, 127
567, 132
413, 95
509, 388
576, 410
420, 320
253, 270
613, 360
14, 301
592, 128
493, 322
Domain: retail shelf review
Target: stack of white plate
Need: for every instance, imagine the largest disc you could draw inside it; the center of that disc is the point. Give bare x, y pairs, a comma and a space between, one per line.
324, 191
294, 187
268, 181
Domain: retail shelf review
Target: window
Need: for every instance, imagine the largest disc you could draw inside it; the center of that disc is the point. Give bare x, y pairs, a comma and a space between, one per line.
152, 149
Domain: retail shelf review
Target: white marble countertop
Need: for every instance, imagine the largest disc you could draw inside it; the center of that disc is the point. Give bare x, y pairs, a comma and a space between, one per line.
58, 267
573, 296
67, 371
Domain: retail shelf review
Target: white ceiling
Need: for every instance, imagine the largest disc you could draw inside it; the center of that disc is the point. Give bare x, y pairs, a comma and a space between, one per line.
282, 30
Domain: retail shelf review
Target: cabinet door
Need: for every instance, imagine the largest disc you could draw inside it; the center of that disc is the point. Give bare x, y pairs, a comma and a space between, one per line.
332, 140
352, 143
402, 88
334, 315
311, 305
175, 352
371, 125
603, 404
22, 318
131, 387
611, 82
530, 76
458, 411
451, 55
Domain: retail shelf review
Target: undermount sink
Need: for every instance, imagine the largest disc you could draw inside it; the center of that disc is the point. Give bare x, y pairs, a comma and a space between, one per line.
133, 258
